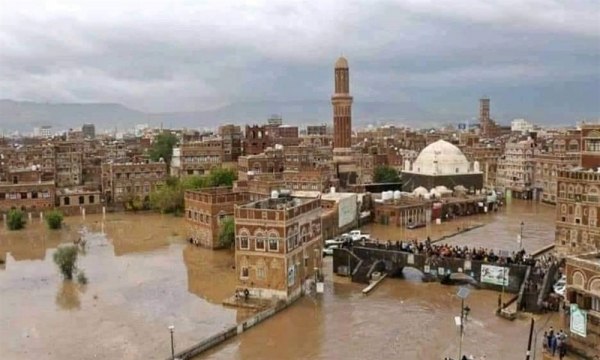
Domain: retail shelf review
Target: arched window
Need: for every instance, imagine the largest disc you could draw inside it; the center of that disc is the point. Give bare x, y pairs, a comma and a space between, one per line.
273, 241
260, 239
244, 239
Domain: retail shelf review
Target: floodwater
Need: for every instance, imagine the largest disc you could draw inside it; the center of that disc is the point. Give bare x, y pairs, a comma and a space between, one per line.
406, 319
144, 277
501, 230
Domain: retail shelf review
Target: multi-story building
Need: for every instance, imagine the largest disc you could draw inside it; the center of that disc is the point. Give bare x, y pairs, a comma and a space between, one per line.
69, 163
27, 190
487, 156
89, 131
515, 169
560, 152
578, 200
122, 182
197, 158
583, 299
316, 130
278, 245
206, 209
487, 125
577, 209
256, 140
231, 135
590, 147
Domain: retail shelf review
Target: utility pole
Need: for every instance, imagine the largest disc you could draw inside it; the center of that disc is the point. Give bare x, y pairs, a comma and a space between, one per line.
528, 353
521, 236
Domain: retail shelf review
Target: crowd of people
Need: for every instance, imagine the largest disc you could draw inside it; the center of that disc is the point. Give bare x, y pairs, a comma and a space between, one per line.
461, 252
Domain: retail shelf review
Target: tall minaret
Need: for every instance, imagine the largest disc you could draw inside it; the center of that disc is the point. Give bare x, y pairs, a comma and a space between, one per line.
342, 106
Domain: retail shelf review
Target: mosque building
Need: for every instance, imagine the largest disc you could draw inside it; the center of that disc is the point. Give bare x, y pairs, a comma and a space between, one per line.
442, 164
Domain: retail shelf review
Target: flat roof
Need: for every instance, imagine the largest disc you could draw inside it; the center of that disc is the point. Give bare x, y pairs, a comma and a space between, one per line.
337, 196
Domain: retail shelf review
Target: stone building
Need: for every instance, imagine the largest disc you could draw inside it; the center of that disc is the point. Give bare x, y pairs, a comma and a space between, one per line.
577, 209
27, 190
401, 211
278, 245
487, 156
231, 136
197, 158
560, 152
122, 182
256, 140
488, 127
590, 147
72, 201
516, 168
69, 163
583, 299
441, 164
342, 106
206, 209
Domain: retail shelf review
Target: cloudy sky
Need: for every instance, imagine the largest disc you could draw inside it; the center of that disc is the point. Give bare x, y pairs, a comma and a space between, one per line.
193, 55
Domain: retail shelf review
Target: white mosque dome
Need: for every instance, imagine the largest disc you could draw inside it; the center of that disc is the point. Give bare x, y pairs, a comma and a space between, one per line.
441, 158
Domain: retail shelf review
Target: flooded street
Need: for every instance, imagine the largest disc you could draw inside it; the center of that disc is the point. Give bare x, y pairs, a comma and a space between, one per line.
144, 277
405, 319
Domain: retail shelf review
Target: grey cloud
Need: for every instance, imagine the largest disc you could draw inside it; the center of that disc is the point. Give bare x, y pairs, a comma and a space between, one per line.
190, 55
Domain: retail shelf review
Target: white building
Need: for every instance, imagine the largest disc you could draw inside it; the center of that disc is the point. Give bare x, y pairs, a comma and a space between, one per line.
521, 125
42, 131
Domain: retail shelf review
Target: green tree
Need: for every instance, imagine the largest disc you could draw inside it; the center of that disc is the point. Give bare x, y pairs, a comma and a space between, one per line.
386, 174
162, 147
222, 177
227, 232
54, 219
65, 258
15, 219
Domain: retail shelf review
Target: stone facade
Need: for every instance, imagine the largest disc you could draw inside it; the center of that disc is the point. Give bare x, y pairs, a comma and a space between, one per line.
278, 245
577, 212
402, 212
72, 201
516, 168
205, 210
125, 181
590, 147
583, 289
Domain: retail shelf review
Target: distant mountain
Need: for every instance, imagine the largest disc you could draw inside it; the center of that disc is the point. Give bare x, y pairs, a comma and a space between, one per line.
25, 115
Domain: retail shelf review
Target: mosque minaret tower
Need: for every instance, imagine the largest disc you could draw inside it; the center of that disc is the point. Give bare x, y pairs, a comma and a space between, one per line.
342, 106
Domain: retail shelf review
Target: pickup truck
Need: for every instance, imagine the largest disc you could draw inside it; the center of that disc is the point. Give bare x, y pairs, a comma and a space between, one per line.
357, 235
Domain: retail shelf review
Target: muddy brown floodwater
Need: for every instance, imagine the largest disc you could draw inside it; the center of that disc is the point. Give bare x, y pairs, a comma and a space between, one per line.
144, 277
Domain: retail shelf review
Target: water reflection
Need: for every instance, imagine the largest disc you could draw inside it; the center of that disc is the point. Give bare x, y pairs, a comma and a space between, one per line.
68, 295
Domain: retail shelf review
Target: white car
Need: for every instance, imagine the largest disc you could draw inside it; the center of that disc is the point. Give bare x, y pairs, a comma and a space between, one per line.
329, 249
560, 286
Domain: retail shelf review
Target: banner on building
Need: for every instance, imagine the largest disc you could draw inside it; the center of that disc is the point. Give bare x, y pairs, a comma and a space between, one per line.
578, 321
497, 275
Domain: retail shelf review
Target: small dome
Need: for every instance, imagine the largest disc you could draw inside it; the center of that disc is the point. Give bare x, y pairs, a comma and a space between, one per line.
341, 63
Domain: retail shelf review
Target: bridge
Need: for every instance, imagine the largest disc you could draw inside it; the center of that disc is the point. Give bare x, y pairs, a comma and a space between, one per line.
361, 261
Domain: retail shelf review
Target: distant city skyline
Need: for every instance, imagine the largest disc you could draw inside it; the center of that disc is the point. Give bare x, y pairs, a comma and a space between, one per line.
534, 60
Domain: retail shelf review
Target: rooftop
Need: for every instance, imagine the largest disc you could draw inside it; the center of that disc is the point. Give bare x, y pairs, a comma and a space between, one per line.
283, 202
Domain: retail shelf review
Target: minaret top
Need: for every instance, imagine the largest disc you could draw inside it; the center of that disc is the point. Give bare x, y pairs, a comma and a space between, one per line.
341, 63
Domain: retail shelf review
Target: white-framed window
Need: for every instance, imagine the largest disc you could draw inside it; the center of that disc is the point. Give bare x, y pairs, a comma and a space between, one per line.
273, 243
260, 240
244, 240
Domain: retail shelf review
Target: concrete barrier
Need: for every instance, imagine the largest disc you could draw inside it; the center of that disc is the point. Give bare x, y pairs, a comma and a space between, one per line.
232, 331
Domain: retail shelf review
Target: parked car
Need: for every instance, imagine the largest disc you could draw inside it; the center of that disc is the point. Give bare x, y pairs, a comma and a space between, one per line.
329, 249
357, 235
560, 286
415, 226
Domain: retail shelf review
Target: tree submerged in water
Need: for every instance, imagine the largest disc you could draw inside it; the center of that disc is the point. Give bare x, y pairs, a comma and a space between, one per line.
54, 219
227, 233
65, 258
15, 219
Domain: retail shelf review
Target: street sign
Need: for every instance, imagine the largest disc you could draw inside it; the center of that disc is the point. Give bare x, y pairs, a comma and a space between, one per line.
463, 292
